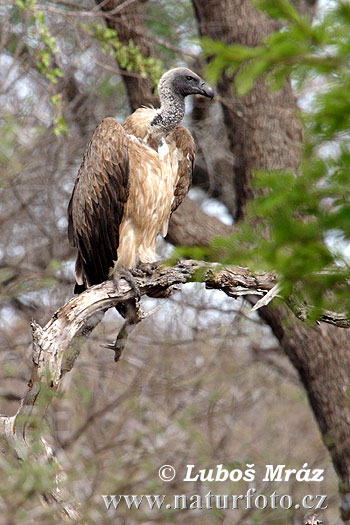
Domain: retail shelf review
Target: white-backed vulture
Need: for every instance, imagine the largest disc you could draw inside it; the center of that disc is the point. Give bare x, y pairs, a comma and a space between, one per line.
132, 177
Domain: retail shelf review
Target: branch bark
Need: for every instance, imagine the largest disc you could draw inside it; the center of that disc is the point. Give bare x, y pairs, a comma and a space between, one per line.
53, 355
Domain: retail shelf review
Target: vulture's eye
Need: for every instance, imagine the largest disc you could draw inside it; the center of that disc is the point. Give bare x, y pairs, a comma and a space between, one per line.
190, 78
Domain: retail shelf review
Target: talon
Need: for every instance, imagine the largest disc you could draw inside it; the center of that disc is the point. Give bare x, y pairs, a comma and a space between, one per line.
129, 278
148, 268
117, 347
136, 272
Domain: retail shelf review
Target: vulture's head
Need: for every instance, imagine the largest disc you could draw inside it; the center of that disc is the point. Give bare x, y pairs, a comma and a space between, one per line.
182, 81
173, 87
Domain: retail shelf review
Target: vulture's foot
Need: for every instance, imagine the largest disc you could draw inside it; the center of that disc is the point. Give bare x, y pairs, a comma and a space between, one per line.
116, 347
148, 268
129, 278
136, 272
120, 343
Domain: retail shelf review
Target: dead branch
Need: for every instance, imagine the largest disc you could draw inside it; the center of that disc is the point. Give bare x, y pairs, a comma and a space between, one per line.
53, 354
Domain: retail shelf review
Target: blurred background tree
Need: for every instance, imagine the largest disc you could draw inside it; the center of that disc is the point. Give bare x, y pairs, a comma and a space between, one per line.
200, 382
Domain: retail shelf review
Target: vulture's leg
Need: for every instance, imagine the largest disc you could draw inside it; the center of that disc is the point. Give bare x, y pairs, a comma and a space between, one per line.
130, 310
132, 313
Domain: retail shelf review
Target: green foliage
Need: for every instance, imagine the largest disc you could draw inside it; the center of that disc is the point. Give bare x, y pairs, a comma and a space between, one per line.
45, 55
60, 123
299, 224
128, 56
8, 131
29, 478
161, 19
285, 52
23, 4
46, 43
10, 157
46, 48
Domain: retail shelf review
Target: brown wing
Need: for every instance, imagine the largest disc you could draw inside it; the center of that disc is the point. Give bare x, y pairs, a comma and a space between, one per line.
185, 144
96, 207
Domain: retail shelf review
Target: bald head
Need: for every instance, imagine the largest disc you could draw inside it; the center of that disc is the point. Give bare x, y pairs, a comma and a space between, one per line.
182, 81
173, 87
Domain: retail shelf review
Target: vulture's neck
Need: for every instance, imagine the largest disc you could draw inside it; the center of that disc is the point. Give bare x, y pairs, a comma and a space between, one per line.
171, 113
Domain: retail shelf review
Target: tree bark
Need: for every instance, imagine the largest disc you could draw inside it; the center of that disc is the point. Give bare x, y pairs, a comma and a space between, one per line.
265, 133
191, 226
262, 126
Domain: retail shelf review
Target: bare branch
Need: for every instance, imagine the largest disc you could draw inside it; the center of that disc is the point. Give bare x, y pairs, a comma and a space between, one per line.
53, 354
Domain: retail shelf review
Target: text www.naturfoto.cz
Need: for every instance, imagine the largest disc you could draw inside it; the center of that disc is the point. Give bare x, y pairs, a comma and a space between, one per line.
216, 501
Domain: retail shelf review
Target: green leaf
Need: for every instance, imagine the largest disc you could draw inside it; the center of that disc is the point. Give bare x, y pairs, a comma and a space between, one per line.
280, 9
248, 75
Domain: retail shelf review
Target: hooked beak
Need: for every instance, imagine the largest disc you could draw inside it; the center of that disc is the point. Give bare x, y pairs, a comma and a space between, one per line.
206, 90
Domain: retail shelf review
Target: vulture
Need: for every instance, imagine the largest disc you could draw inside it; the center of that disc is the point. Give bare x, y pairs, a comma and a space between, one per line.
132, 178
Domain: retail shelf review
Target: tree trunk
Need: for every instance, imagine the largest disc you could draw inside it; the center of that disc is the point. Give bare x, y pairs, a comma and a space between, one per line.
190, 226
321, 354
265, 133
262, 126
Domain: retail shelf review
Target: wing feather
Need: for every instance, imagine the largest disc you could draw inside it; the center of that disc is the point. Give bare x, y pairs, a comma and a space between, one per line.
96, 207
187, 156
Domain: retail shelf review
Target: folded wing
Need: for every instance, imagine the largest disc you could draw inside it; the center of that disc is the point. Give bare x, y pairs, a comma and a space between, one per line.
96, 207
